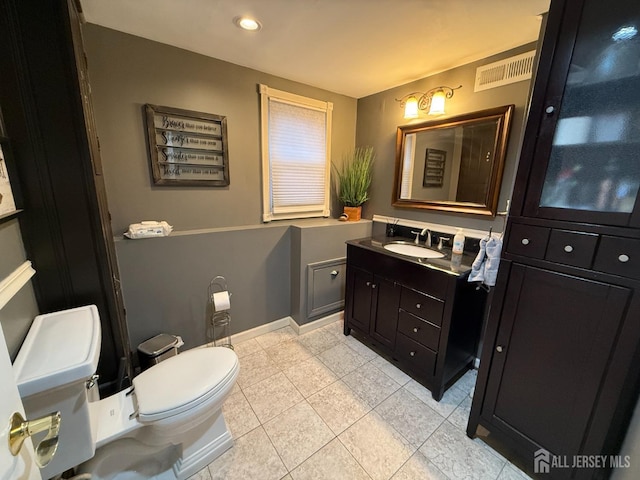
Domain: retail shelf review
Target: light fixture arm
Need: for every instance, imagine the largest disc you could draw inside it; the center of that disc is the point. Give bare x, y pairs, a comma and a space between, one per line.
424, 99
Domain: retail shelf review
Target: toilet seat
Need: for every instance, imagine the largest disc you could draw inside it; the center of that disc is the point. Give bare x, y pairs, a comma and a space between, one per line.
183, 382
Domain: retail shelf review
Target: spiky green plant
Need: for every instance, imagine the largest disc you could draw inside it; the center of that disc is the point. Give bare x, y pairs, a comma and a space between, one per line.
354, 177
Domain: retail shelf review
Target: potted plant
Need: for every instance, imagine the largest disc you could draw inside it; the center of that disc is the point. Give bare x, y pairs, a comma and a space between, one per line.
354, 180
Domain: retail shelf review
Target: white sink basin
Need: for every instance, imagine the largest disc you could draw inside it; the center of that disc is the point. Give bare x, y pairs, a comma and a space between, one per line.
413, 250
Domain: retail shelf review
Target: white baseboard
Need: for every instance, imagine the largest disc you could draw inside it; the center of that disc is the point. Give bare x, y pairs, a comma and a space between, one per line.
261, 330
281, 323
321, 322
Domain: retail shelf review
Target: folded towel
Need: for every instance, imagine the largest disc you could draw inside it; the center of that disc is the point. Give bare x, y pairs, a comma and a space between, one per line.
492, 262
477, 267
148, 229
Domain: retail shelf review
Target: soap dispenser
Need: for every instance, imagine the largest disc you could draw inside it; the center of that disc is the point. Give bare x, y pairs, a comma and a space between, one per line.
458, 242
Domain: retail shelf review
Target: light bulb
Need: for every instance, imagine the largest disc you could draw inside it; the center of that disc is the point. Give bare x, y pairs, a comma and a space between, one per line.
437, 103
411, 107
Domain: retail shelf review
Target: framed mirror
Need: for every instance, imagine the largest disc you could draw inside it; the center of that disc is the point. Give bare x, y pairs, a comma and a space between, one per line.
454, 164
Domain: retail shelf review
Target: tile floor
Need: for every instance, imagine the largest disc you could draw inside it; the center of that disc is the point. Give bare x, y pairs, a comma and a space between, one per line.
325, 406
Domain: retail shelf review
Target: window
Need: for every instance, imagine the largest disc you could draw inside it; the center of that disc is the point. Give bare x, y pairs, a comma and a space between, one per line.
296, 141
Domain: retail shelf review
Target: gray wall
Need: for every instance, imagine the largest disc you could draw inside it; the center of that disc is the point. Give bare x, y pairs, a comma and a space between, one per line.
316, 243
127, 72
17, 315
220, 232
165, 280
379, 116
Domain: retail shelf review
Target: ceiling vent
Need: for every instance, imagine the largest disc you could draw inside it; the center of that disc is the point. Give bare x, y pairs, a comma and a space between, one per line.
504, 72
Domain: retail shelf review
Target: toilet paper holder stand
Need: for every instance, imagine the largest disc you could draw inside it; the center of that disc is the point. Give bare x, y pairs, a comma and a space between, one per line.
220, 321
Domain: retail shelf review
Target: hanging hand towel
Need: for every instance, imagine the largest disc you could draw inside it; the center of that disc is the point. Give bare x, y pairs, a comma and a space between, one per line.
493, 250
477, 267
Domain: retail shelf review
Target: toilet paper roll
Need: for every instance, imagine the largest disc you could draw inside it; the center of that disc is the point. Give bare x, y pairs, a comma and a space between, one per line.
221, 301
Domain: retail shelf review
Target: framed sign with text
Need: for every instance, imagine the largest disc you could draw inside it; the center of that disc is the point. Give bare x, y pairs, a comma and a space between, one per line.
434, 162
187, 147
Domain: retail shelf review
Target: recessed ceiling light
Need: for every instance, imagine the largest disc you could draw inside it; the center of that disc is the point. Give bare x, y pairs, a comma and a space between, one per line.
247, 23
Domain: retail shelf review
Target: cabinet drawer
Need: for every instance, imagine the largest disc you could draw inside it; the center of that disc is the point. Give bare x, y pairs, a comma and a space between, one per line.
417, 329
571, 248
619, 256
421, 358
422, 305
528, 240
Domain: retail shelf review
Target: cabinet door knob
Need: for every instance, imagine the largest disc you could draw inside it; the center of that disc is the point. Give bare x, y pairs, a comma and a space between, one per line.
550, 109
623, 258
368, 284
568, 248
418, 305
525, 241
413, 354
415, 330
334, 273
499, 349
373, 285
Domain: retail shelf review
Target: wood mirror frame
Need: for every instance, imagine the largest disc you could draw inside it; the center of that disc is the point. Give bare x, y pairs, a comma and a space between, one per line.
477, 140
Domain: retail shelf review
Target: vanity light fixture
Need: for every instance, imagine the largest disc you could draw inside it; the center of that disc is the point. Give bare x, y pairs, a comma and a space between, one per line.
247, 23
432, 100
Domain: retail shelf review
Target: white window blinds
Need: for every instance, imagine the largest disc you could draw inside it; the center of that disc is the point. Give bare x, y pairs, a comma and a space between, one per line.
407, 166
295, 155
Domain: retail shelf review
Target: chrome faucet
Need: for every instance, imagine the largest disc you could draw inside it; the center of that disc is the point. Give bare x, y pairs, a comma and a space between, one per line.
425, 231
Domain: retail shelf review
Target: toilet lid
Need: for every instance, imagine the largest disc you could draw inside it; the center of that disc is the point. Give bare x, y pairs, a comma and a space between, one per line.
181, 382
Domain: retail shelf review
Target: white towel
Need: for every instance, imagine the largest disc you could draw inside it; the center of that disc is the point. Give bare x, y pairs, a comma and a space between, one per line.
148, 229
477, 267
493, 249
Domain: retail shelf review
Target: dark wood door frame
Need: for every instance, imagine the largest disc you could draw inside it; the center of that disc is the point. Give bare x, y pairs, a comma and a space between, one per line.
63, 224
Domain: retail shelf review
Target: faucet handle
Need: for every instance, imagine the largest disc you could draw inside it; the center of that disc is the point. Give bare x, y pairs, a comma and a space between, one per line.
417, 234
441, 240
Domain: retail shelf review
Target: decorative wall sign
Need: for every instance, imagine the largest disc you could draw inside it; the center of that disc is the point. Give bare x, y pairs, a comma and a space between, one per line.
187, 147
434, 161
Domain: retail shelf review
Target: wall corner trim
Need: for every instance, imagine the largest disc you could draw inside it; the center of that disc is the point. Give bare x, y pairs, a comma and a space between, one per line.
10, 285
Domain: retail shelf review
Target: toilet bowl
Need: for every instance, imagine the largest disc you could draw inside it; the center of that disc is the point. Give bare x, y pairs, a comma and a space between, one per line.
169, 424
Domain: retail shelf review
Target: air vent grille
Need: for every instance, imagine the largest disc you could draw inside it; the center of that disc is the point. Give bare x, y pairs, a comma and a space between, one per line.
504, 72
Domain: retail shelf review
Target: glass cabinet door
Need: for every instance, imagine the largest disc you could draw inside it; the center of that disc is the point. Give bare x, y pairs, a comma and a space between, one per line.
593, 169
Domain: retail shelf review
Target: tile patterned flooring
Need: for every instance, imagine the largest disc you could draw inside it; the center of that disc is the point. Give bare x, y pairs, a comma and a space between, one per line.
322, 406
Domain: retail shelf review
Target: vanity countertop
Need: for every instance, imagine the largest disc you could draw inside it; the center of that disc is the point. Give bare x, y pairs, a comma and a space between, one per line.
459, 266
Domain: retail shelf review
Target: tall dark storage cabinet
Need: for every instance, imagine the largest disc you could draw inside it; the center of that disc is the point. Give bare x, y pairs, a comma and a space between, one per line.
46, 105
560, 365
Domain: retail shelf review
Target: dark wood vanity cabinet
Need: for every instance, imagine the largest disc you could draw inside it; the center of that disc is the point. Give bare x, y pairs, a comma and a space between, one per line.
427, 321
375, 305
558, 368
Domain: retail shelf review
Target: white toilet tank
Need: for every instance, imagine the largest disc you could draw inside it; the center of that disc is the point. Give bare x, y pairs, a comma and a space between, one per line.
53, 368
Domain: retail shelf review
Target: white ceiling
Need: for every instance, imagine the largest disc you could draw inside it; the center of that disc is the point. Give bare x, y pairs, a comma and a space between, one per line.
352, 47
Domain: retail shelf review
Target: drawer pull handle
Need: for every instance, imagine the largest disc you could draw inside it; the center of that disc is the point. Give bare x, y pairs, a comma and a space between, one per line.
499, 349
623, 258
418, 305
525, 241
568, 248
415, 329
413, 354
334, 273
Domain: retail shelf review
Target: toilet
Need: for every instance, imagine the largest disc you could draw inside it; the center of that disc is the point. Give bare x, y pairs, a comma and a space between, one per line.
168, 425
